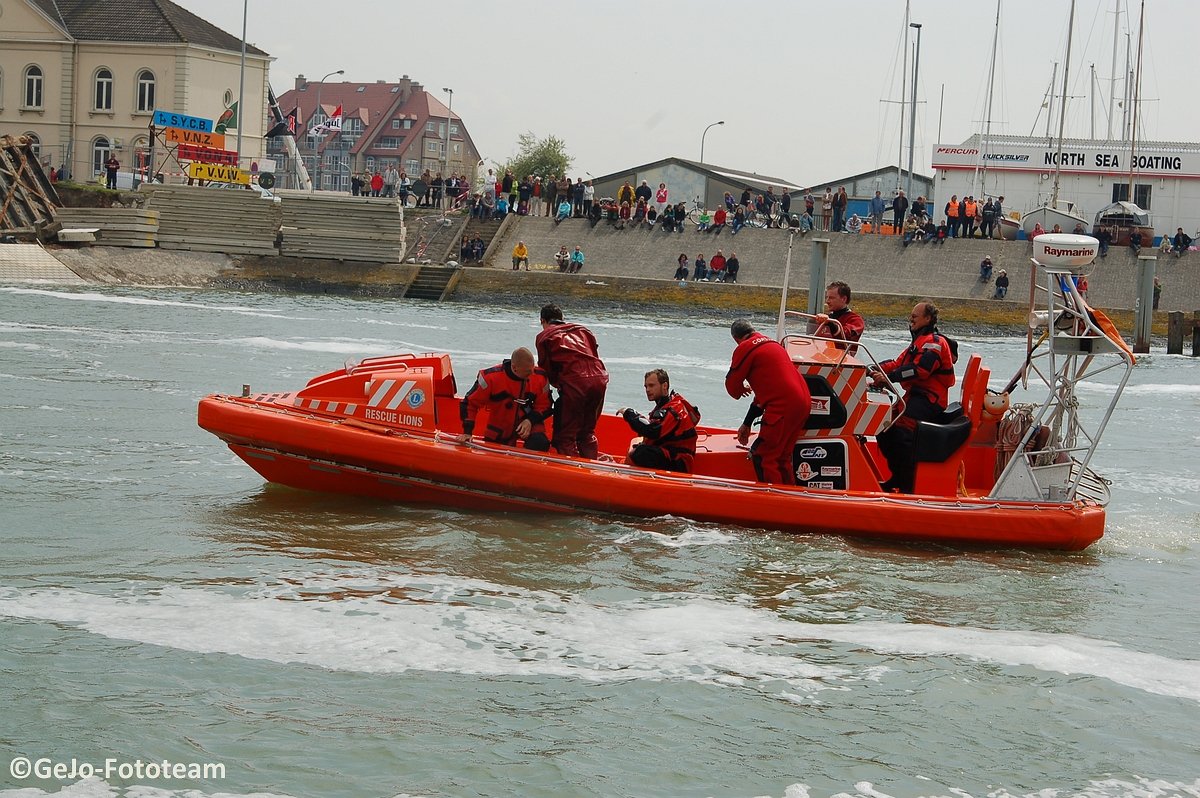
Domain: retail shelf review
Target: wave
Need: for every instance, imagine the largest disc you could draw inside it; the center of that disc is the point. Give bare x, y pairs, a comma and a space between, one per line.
135, 300
369, 621
1146, 389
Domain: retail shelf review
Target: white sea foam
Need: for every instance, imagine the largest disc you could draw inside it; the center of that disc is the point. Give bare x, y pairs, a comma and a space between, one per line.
343, 347
136, 300
1145, 389
1142, 787
93, 787
371, 621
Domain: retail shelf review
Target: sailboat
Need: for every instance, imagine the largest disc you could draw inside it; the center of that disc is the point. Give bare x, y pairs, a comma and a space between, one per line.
1123, 218
1066, 215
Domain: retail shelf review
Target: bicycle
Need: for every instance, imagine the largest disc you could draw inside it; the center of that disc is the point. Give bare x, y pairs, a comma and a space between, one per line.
693, 215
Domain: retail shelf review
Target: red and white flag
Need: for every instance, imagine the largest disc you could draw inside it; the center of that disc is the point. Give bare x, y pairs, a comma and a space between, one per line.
331, 125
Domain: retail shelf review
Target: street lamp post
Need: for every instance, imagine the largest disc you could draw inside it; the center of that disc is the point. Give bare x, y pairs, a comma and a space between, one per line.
317, 141
714, 124
912, 121
446, 152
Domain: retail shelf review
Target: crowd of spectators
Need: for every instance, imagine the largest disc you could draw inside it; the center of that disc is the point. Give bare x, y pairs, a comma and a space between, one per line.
717, 269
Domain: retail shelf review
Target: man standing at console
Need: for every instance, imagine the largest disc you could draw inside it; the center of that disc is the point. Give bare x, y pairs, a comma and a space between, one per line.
850, 325
761, 365
570, 357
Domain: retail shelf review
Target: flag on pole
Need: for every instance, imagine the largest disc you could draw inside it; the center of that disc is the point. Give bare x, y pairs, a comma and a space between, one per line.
228, 119
331, 125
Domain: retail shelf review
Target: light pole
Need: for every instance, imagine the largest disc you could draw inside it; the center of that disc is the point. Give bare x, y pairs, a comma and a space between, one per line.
242, 85
317, 141
714, 124
912, 121
446, 153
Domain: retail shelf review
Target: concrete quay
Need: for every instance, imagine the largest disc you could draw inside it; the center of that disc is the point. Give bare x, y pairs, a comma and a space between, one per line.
871, 265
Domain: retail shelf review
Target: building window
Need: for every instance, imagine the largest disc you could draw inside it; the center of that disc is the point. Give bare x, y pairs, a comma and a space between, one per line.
1141, 193
388, 143
33, 87
441, 130
103, 97
408, 124
101, 151
454, 130
395, 124
145, 91
412, 166
432, 146
429, 126
371, 164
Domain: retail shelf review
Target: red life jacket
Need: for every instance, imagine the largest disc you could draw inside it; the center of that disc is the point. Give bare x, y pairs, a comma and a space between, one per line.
509, 400
671, 427
925, 369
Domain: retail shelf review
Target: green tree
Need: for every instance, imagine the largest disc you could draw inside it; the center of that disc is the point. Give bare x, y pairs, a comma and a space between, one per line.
536, 156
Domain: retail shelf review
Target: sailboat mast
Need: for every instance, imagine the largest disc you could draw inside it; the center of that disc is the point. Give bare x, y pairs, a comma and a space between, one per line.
1062, 109
903, 86
1137, 92
983, 148
1112, 81
1050, 104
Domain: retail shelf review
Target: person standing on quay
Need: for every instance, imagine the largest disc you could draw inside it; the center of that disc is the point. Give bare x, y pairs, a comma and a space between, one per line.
569, 355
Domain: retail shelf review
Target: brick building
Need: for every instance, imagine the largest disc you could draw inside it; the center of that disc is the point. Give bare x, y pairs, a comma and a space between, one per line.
383, 124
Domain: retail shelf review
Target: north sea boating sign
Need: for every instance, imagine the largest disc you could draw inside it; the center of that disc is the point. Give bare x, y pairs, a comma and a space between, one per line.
1040, 156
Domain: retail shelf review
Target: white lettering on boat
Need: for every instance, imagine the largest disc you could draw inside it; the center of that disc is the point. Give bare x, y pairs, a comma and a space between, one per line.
390, 417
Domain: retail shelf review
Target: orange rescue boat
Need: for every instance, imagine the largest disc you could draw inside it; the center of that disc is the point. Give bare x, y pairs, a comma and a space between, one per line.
987, 474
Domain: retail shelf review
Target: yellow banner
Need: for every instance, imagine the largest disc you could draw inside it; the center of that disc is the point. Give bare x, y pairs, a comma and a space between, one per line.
214, 171
177, 135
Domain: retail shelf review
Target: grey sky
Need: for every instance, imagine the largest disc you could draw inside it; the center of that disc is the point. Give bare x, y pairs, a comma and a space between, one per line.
799, 84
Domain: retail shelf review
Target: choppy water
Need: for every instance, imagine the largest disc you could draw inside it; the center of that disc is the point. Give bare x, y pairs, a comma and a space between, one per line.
158, 601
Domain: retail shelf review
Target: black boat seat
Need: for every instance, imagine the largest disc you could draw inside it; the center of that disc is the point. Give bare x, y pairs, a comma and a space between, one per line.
937, 440
822, 392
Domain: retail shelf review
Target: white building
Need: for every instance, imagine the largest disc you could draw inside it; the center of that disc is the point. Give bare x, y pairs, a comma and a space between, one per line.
82, 78
1165, 175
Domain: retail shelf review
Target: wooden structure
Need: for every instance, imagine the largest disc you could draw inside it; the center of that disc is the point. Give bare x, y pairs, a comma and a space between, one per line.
325, 225
27, 197
116, 227
1177, 326
232, 221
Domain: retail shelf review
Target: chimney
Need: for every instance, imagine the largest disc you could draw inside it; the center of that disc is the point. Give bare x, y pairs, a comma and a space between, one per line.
301, 83
405, 89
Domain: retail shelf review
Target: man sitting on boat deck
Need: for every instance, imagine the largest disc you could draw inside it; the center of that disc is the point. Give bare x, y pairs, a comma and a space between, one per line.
571, 359
763, 366
516, 396
850, 326
926, 370
669, 434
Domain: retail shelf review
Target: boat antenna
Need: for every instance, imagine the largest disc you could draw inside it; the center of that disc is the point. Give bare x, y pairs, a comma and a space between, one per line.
1137, 91
1062, 108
